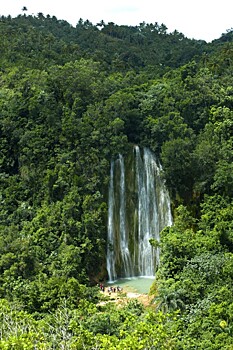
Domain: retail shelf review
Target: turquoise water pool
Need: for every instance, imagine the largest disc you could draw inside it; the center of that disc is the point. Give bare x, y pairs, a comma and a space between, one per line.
134, 284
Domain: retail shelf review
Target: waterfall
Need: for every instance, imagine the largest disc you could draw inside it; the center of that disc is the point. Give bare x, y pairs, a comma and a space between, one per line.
124, 239
147, 213
138, 209
111, 244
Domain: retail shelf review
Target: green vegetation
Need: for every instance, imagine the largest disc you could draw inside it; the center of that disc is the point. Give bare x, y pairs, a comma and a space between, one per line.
71, 99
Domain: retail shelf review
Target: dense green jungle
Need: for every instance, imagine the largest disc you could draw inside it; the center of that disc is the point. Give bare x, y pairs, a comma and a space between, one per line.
72, 99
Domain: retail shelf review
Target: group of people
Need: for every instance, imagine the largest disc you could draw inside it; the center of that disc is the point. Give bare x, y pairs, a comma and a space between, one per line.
110, 288
101, 286
114, 289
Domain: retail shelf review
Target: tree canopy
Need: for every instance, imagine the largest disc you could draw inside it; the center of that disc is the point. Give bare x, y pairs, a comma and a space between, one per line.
72, 99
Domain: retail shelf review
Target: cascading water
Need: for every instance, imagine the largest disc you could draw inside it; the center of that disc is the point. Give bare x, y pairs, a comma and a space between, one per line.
138, 209
111, 246
147, 213
124, 239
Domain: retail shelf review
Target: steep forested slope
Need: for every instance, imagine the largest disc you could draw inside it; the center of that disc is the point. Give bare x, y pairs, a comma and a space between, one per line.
71, 99
39, 41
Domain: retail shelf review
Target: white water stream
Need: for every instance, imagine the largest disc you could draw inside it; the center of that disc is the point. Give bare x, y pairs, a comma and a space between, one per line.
138, 209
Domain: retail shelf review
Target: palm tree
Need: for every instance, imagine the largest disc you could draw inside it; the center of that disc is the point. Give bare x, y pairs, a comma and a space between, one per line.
169, 301
100, 24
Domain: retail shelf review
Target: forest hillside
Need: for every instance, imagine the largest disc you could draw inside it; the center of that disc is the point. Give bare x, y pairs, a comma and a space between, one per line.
71, 100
